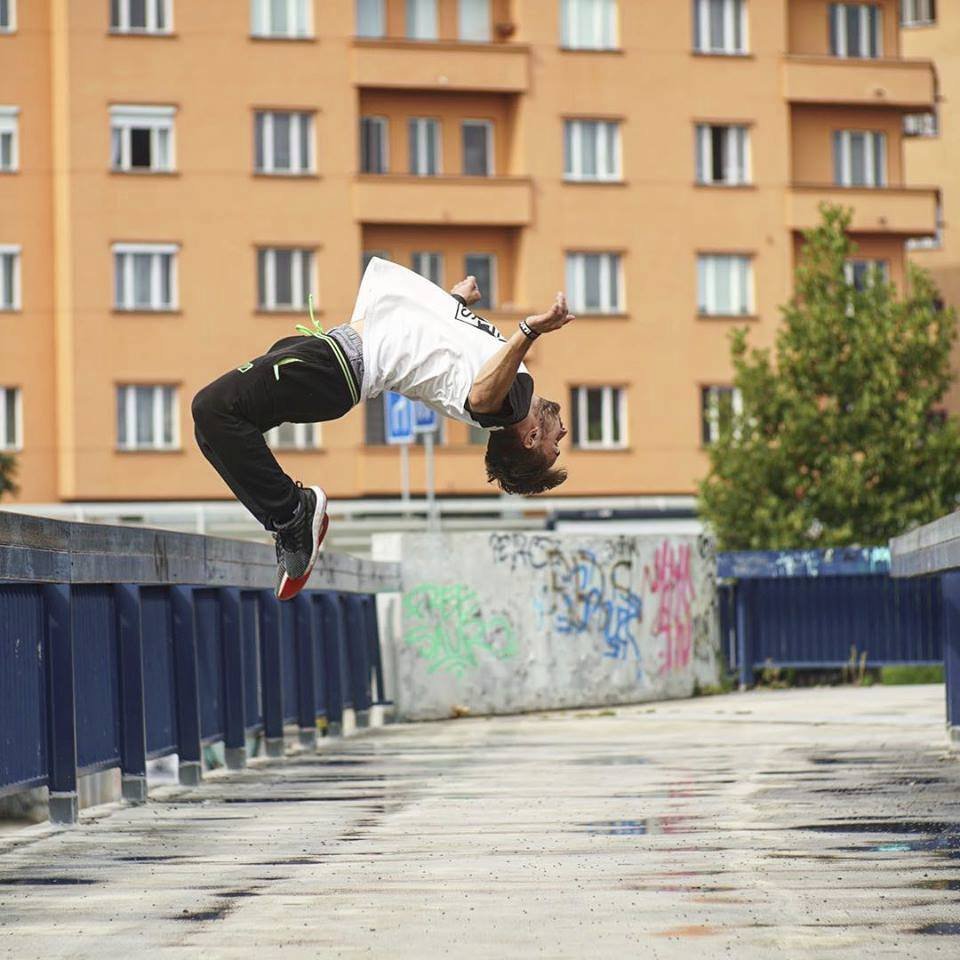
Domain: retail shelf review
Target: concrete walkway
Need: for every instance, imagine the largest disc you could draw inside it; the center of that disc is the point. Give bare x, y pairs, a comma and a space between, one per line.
807, 824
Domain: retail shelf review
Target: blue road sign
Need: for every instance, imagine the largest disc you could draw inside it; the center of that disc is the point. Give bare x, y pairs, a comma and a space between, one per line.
425, 419
399, 419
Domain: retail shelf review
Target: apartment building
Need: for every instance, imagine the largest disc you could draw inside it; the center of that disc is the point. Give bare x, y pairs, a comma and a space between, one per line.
175, 178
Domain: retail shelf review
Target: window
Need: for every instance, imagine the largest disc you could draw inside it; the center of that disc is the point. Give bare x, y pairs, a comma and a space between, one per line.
294, 436
861, 274
720, 26
375, 425
283, 142
856, 30
422, 19
284, 278
591, 150
145, 276
859, 158
147, 418
429, 265
599, 417
141, 138
140, 16
594, 283
929, 243
374, 155
718, 408
281, 19
9, 139
921, 125
724, 284
588, 24
723, 154
475, 21
477, 148
368, 255
371, 21
915, 13
8, 16
424, 146
483, 266
9, 277
11, 419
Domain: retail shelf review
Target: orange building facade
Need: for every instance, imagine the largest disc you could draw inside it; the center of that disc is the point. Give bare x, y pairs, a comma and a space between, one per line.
176, 177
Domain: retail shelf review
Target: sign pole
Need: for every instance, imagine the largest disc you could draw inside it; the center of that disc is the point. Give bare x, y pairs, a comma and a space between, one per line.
405, 473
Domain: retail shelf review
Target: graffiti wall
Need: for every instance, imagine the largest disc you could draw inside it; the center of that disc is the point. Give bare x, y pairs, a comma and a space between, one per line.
507, 622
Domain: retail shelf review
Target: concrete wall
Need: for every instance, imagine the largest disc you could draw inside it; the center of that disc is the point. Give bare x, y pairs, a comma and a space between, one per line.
507, 622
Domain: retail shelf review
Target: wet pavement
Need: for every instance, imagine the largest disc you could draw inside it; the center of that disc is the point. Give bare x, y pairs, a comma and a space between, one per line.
804, 823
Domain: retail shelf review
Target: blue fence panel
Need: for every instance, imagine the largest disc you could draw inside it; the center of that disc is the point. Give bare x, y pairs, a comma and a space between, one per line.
357, 653
288, 661
319, 655
159, 686
210, 664
23, 696
250, 640
96, 677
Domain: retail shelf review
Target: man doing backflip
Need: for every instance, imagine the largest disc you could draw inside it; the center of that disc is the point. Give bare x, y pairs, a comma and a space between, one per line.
406, 335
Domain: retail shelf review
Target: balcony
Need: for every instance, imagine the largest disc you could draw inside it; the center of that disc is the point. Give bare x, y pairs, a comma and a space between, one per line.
441, 65
884, 83
450, 201
908, 211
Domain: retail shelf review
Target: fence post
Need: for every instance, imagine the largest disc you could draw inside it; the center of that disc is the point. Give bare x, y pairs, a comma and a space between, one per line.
744, 647
133, 726
271, 673
373, 645
235, 734
333, 660
358, 658
61, 713
950, 587
306, 671
188, 686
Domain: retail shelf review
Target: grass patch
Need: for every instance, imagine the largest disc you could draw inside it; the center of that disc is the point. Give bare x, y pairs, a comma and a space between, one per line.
908, 673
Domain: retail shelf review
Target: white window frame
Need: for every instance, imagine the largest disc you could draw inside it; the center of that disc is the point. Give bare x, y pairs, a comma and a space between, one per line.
130, 416
16, 442
417, 263
576, 268
611, 395
11, 26
306, 436
488, 125
410, 20
10, 301
707, 299
737, 137
917, 13
874, 265
126, 118
488, 20
921, 124
844, 139
151, 28
839, 29
298, 118
10, 125
384, 124
420, 124
573, 134
379, 8
155, 251
269, 301
701, 12
491, 294
710, 410
298, 27
605, 25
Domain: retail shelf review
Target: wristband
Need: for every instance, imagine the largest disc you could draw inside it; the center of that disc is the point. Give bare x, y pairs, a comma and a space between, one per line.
528, 331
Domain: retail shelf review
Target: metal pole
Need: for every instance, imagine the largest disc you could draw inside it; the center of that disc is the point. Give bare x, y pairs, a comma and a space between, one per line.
405, 473
431, 492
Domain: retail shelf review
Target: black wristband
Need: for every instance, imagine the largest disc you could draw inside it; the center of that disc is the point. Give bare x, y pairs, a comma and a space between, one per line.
528, 331
462, 300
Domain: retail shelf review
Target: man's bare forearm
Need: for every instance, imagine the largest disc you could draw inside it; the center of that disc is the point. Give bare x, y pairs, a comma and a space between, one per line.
496, 376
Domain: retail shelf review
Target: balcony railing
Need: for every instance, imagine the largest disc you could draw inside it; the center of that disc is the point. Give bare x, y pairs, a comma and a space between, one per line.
908, 211
837, 80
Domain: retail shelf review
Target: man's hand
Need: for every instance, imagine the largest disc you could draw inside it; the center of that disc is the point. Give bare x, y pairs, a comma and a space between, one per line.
555, 318
468, 289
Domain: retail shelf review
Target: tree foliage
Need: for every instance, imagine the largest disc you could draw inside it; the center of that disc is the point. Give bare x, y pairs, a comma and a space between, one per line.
8, 467
838, 438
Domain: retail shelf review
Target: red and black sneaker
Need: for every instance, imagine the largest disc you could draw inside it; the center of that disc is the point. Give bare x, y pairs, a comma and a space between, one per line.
299, 541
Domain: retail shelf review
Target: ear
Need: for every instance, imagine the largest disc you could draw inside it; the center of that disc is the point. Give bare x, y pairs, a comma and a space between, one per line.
531, 438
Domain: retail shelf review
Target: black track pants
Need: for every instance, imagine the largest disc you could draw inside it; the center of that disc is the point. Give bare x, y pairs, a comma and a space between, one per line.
300, 380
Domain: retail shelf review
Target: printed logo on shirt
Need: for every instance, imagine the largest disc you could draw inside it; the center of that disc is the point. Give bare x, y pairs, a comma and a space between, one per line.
465, 315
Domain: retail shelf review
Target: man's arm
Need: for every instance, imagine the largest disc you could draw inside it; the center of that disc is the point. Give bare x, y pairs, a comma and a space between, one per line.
496, 376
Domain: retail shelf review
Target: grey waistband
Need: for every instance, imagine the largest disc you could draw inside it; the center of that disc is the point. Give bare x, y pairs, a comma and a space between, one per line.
352, 345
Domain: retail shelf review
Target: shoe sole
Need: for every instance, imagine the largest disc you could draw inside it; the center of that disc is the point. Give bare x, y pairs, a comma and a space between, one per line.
289, 587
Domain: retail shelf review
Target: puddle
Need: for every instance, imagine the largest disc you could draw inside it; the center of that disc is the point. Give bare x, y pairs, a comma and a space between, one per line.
200, 916
939, 929
47, 882
884, 826
343, 798
947, 883
611, 761
622, 828
149, 859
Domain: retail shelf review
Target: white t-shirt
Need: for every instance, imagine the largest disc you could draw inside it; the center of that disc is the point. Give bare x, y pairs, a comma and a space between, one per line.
423, 343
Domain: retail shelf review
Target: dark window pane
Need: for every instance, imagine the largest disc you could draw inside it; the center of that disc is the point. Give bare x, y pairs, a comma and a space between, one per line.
139, 147
476, 149
304, 141
834, 31
142, 274
6, 287
858, 160
281, 141
122, 416
854, 47
374, 429
575, 416
262, 278
258, 147
138, 14
144, 414
304, 277
591, 281
161, 14
114, 12
481, 267
595, 416
166, 284
717, 142
615, 402
716, 24
11, 417
284, 277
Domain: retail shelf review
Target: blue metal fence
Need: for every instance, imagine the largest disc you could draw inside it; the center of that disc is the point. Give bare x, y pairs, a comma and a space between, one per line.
95, 675
818, 609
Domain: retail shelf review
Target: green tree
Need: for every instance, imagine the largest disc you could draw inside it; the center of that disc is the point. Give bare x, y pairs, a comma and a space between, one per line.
8, 467
839, 441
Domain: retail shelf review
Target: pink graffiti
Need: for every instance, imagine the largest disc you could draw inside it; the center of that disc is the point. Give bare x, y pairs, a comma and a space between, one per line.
672, 584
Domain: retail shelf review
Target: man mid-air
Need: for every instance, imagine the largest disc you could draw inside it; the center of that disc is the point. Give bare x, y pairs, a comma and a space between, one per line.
406, 335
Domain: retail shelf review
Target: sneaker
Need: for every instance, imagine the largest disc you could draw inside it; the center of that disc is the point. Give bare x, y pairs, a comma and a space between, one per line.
299, 541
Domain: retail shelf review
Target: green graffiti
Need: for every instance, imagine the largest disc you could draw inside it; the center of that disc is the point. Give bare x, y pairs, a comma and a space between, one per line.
448, 628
